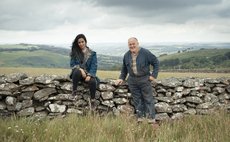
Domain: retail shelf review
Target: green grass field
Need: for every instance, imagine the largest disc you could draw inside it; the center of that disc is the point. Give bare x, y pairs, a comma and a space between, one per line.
188, 54
103, 74
92, 128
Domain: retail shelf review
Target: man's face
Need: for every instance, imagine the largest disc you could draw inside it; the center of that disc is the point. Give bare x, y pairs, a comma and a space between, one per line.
133, 45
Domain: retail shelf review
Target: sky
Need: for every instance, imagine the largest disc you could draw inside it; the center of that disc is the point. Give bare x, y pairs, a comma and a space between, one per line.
105, 21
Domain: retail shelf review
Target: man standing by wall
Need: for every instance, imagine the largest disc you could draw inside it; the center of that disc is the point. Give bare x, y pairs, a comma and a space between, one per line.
136, 62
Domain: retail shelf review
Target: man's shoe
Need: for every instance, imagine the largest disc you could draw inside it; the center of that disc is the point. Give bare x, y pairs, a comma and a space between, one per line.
73, 95
139, 120
151, 121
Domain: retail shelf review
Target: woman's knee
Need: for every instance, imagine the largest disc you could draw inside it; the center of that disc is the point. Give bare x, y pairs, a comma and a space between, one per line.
76, 72
92, 81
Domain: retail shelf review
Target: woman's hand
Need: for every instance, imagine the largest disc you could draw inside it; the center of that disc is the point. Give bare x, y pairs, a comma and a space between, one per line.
87, 79
83, 73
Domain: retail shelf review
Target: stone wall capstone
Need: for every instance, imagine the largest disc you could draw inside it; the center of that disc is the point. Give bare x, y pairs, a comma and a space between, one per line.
48, 96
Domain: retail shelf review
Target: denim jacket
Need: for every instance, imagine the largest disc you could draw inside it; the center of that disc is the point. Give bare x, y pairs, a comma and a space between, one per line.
90, 67
143, 60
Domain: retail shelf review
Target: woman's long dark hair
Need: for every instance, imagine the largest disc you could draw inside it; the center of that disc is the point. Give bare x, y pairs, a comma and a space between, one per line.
76, 50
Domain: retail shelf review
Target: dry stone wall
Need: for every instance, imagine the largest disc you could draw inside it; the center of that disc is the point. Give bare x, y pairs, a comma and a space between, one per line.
48, 96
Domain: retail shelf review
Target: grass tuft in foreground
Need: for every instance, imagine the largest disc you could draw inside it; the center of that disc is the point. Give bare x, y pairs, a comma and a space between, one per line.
110, 128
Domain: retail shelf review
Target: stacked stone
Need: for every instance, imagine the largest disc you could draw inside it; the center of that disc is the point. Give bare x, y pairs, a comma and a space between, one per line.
48, 96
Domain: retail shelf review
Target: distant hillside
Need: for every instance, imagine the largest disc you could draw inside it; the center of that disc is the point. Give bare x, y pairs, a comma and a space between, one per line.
203, 58
28, 55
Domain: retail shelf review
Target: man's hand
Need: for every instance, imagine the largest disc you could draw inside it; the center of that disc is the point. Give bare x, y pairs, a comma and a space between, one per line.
118, 81
151, 78
87, 79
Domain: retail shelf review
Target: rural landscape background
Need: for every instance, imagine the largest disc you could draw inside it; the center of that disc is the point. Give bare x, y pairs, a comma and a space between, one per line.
110, 56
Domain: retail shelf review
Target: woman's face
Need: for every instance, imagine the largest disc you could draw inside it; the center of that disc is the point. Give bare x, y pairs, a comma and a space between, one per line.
81, 43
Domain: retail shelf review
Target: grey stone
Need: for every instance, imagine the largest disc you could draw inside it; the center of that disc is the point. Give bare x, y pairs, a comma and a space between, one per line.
47, 103
178, 116
218, 89
205, 106
191, 105
179, 88
212, 81
44, 93
211, 98
161, 116
200, 95
126, 109
194, 93
105, 87
164, 99
162, 90
178, 101
80, 102
40, 115
30, 89
27, 103
26, 95
177, 96
108, 103
221, 85
61, 78
116, 111
171, 82
160, 95
64, 97
97, 94
163, 107
10, 100
44, 79
57, 108
6, 93
185, 92
125, 95
120, 101
16, 77
87, 97
107, 95
69, 86
2, 106
101, 107
204, 111
67, 103
191, 111
227, 88
5, 113
121, 90
27, 81
73, 110
179, 108
11, 87
197, 82
40, 108
16, 107
196, 100
168, 94
209, 85
26, 112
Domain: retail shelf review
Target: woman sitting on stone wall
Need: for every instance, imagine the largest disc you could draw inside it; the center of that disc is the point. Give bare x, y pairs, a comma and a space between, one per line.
84, 67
